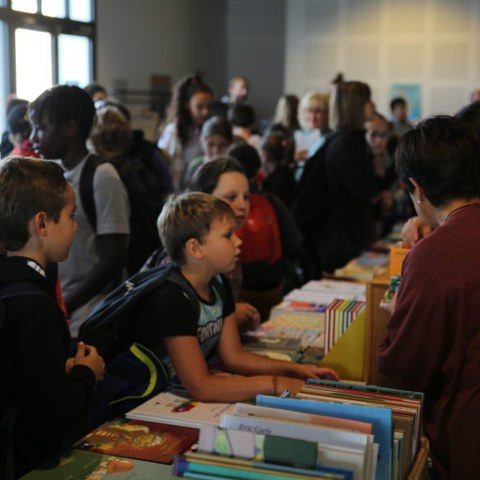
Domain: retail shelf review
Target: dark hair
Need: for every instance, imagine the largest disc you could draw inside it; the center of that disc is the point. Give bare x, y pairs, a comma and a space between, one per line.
396, 102
347, 105
178, 109
187, 216
207, 176
18, 122
470, 114
93, 88
241, 115
279, 146
248, 158
442, 154
217, 126
13, 102
63, 103
28, 186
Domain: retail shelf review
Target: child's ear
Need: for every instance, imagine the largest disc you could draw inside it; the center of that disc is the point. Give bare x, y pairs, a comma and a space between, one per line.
193, 248
40, 223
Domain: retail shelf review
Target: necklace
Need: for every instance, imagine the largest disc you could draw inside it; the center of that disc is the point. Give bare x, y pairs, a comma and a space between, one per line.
461, 207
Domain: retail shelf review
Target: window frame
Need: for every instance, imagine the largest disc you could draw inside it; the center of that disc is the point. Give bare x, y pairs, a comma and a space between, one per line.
55, 26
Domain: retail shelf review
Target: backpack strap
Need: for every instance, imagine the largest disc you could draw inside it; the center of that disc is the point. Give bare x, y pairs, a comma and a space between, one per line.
86, 188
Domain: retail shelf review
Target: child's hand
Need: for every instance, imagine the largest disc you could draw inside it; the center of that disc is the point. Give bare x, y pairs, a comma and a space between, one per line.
88, 356
247, 315
293, 385
312, 371
69, 365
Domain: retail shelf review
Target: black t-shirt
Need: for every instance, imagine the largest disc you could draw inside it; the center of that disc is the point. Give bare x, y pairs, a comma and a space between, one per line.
168, 312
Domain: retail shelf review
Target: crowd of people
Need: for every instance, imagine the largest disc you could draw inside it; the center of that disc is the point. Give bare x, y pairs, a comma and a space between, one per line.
244, 216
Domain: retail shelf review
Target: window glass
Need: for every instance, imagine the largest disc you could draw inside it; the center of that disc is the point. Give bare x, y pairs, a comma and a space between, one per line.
3, 76
81, 10
53, 8
29, 6
33, 51
74, 60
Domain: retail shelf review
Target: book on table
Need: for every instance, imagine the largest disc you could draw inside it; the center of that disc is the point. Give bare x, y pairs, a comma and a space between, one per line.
80, 465
179, 409
406, 407
156, 442
380, 418
336, 447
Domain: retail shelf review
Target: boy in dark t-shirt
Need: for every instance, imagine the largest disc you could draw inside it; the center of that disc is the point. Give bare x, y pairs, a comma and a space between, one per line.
198, 232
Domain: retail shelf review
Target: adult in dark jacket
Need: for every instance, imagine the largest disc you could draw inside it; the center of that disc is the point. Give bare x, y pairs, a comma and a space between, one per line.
333, 203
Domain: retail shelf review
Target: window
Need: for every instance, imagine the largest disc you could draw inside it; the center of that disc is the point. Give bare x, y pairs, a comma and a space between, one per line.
44, 43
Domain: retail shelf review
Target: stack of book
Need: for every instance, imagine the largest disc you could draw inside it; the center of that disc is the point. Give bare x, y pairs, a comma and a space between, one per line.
405, 408
271, 443
332, 430
338, 317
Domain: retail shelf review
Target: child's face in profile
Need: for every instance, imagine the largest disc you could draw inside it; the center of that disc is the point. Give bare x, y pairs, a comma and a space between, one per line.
48, 139
221, 246
215, 145
60, 234
200, 106
232, 188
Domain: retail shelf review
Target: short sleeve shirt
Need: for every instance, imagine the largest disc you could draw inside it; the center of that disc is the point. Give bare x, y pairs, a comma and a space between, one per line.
113, 212
168, 312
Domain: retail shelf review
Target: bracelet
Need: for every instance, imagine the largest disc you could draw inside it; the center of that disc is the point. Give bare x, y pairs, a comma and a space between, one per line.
275, 385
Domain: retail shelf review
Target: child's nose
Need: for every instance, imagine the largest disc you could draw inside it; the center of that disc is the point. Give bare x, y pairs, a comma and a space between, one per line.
237, 241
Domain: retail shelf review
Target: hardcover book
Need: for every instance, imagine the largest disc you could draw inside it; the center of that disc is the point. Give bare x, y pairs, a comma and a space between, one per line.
155, 442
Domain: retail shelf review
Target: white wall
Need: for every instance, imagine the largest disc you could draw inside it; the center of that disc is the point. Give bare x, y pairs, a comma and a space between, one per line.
255, 49
433, 43
136, 39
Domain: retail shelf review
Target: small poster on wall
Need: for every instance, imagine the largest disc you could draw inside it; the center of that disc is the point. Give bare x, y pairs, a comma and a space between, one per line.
412, 93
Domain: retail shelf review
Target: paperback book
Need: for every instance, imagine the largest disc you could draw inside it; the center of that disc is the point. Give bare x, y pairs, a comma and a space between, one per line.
179, 409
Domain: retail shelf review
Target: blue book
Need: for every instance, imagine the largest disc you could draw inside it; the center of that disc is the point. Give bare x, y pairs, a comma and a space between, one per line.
380, 418
219, 467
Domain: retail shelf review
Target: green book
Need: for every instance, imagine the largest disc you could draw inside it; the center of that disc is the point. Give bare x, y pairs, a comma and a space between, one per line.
80, 465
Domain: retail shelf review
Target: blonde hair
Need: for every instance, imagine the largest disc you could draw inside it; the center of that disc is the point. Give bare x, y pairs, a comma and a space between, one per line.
111, 133
311, 100
187, 216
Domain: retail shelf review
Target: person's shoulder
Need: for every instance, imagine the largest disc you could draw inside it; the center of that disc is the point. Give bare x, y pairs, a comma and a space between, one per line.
175, 289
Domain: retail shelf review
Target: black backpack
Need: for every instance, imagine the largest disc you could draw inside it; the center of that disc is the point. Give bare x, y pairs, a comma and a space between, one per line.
146, 194
134, 373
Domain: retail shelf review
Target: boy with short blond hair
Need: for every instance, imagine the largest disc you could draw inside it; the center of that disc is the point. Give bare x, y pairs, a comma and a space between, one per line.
198, 232
44, 396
